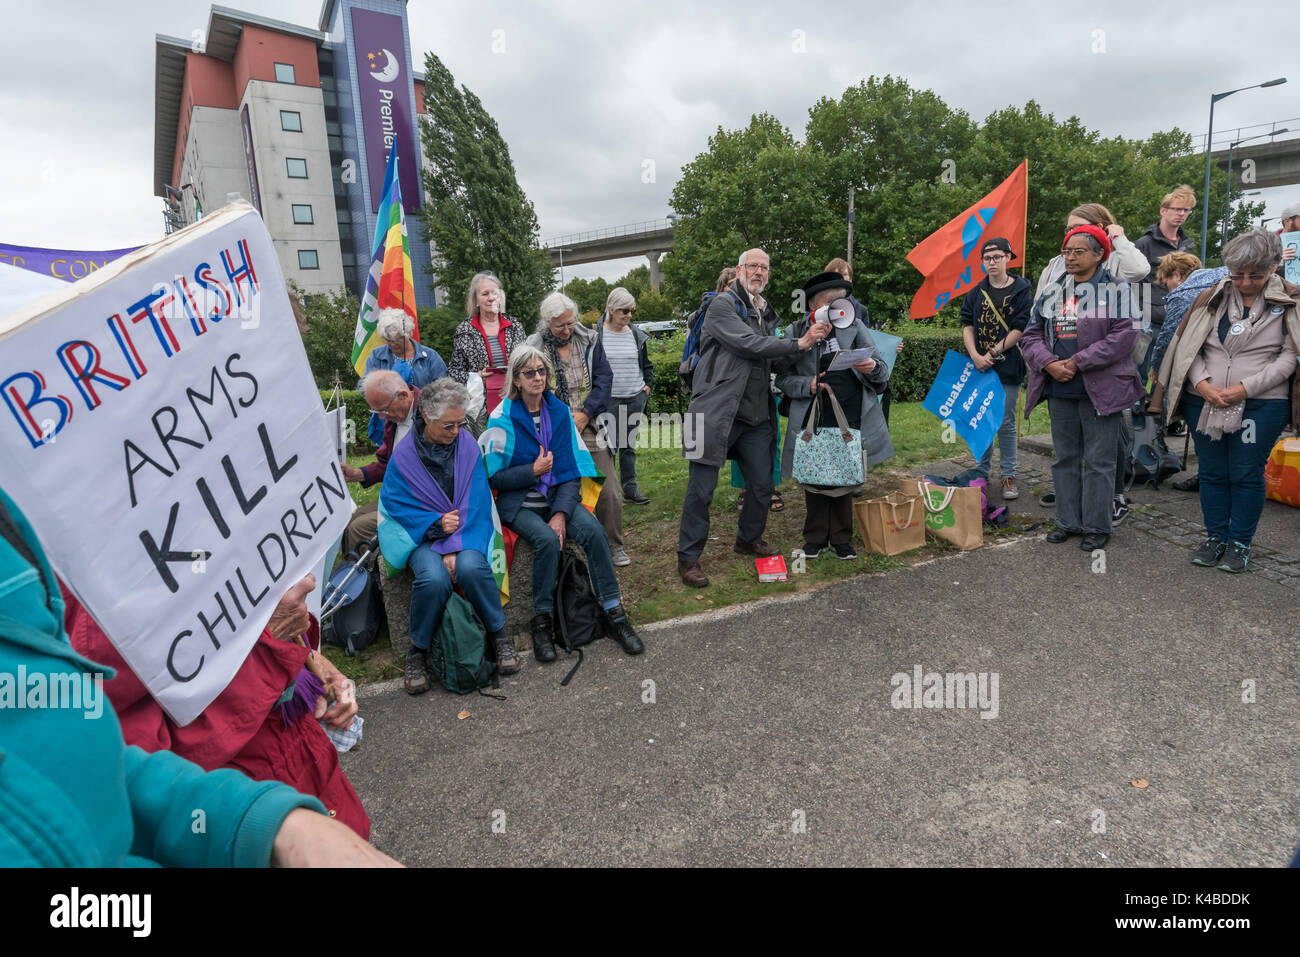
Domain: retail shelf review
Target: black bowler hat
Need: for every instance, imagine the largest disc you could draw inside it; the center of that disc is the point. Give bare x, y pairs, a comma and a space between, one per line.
999, 244
826, 280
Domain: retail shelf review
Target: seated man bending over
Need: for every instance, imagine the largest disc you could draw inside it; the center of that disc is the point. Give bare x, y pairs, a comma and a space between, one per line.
536, 461
390, 398
436, 515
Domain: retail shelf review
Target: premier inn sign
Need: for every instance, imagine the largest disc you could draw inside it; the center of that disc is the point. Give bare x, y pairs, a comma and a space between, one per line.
384, 81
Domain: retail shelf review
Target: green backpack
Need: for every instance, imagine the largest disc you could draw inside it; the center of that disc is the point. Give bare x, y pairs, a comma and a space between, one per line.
458, 657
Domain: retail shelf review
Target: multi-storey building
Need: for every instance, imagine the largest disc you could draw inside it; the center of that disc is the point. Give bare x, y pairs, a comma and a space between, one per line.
297, 121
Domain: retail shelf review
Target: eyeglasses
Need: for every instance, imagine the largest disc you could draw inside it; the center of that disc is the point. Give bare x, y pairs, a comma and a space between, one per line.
384, 410
1179, 209
453, 426
626, 312
1253, 277
757, 267
1069, 251
994, 259
538, 373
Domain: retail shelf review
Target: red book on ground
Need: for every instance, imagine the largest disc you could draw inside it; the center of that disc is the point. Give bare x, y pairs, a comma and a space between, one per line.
771, 569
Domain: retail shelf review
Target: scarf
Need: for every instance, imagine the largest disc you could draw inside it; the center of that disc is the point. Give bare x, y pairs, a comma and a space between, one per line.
1215, 421
552, 346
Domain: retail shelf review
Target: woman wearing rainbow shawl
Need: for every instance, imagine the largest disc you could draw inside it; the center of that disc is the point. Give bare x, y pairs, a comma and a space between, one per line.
546, 484
436, 515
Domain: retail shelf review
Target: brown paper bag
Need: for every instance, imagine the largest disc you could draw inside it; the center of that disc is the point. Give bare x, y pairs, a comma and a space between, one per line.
893, 524
955, 515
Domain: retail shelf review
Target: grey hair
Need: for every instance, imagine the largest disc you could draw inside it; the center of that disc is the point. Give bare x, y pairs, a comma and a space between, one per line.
1091, 240
521, 356
619, 298
1257, 249
741, 261
471, 297
393, 324
554, 306
384, 381
440, 395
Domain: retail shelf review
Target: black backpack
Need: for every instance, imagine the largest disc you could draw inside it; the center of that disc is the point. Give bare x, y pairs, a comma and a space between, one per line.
356, 625
694, 347
579, 619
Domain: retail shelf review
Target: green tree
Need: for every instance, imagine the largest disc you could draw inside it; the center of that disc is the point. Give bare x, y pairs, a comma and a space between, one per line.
476, 215
331, 326
755, 187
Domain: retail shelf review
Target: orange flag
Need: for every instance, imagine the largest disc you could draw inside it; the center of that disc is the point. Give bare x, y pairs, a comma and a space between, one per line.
949, 258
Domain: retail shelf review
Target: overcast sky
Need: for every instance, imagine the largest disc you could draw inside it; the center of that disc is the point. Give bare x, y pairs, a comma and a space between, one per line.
586, 92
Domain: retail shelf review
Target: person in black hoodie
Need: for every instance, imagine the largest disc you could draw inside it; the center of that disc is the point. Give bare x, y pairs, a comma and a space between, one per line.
993, 318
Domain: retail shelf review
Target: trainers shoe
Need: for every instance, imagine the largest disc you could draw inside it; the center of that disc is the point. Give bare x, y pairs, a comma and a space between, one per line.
812, 551
844, 551
507, 659
417, 671
1119, 510
1048, 500
1235, 558
1009, 489
620, 558
1211, 550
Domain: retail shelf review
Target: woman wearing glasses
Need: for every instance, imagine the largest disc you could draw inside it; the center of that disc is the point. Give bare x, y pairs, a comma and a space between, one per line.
436, 515
1079, 348
544, 476
1232, 363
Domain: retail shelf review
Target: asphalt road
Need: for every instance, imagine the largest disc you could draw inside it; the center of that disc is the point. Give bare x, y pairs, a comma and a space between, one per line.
771, 738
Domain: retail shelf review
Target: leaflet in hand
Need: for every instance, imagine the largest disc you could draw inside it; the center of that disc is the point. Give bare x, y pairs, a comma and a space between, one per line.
847, 358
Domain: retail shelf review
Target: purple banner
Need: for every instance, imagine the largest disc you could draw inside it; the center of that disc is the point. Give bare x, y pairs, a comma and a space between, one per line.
384, 82
65, 264
249, 158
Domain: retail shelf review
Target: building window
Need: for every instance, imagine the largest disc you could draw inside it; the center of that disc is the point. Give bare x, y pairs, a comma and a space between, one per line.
302, 214
291, 121
297, 168
284, 73
307, 259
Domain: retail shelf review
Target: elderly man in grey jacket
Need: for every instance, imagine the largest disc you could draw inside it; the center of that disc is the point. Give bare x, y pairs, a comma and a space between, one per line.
732, 414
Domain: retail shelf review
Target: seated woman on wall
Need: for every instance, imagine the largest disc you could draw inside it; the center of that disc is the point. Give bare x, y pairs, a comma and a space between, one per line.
264, 723
537, 462
436, 515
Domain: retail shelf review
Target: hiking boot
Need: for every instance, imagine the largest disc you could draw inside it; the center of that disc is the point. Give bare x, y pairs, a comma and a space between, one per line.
543, 647
845, 551
692, 574
1093, 541
1211, 550
1192, 484
417, 671
1235, 558
620, 629
620, 558
1009, 488
1058, 535
759, 549
1119, 510
507, 660
812, 551
635, 497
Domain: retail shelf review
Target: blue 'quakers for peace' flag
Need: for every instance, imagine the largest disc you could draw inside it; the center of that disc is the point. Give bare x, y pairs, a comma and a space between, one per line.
511, 439
410, 501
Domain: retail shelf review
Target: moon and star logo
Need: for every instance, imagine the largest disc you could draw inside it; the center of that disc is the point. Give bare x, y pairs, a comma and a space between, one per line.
389, 73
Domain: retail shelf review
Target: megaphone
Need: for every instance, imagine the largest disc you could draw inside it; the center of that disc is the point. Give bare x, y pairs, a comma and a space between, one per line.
840, 314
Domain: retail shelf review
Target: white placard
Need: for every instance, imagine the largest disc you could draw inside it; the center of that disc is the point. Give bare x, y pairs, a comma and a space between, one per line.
161, 430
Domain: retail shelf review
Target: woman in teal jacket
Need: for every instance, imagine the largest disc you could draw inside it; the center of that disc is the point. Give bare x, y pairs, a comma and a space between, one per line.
72, 794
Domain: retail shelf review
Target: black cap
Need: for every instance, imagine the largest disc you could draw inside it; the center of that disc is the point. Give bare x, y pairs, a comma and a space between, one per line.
999, 244
826, 280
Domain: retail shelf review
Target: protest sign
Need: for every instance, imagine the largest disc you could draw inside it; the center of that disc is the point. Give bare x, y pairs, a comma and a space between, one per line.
1291, 268
887, 346
973, 401
163, 434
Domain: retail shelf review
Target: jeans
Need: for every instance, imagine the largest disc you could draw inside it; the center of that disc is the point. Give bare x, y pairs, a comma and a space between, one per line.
583, 528
433, 587
752, 447
1084, 469
623, 437
1010, 454
1232, 469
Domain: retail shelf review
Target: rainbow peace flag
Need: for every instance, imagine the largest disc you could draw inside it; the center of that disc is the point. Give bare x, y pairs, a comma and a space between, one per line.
510, 439
390, 282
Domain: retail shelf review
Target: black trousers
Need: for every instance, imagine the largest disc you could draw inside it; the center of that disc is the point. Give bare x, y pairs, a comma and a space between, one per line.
750, 446
827, 519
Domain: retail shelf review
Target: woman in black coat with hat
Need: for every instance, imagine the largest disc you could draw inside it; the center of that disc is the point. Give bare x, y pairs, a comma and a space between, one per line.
828, 521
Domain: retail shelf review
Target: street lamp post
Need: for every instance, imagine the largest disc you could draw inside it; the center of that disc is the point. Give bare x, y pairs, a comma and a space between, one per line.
1227, 196
1209, 147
